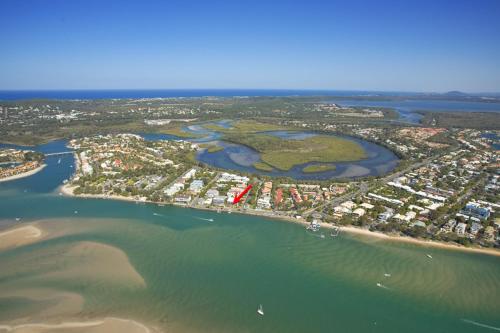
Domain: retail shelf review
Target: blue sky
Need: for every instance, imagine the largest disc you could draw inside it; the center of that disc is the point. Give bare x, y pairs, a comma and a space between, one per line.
357, 45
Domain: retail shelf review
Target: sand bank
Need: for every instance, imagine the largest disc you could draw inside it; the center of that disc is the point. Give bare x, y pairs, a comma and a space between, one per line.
90, 261
106, 325
19, 236
24, 174
54, 302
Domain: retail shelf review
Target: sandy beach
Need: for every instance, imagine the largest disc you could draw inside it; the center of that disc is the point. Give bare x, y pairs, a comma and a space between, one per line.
68, 190
24, 174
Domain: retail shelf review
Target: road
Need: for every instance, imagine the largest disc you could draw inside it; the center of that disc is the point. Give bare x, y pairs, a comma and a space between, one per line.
364, 186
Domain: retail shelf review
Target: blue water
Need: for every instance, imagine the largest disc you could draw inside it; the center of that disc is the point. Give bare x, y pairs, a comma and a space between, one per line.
407, 108
379, 160
49, 178
495, 140
166, 93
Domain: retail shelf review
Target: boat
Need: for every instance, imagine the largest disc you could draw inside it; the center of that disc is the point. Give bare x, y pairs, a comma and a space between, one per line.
379, 284
76, 212
335, 232
59, 161
429, 256
18, 219
322, 236
387, 275
260, 310
313, 226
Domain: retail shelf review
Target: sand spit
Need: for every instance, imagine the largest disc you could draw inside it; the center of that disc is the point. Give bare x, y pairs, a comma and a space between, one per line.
106, 325
24, 174
19, 236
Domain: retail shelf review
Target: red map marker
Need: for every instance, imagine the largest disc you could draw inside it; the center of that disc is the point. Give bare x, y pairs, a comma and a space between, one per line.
239, 196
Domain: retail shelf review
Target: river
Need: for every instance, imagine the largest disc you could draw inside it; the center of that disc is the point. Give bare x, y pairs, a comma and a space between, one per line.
202, 276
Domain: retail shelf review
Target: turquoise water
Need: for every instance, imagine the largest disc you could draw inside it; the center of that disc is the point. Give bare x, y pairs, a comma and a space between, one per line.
210, 276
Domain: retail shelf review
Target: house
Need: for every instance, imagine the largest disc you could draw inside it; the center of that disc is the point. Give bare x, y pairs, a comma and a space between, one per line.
418, 224
460, 229
264, 202
359, 212
173, 189
212, 193
190, 174
219, 200
475, 227
383, 217
366, 206
448, 227
196, 186
183, 199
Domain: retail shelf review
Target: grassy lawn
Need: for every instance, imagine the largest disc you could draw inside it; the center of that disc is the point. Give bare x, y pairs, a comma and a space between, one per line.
318, 168
284, 154
262, 166
214, 149
177, 131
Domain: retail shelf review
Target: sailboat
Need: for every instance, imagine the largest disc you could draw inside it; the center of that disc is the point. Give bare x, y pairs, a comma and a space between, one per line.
260, 310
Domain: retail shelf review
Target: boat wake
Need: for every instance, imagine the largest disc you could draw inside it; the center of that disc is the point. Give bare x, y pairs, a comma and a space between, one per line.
203, 219
315, 235
158, 214
380, 285
472, 322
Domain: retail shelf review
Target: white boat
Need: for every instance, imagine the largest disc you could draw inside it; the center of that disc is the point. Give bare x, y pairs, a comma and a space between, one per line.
260, 310
429, 256
379, 285
59, 161
18, 219
76, 212
387, 275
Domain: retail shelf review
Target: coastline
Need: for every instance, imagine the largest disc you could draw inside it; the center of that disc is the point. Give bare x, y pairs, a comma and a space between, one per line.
67, 190
24, 174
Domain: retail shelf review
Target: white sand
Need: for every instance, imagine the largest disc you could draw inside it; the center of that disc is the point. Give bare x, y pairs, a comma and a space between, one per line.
24, 174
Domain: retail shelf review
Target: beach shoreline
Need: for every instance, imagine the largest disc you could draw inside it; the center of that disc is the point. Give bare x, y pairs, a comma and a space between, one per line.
67, 190
24, 174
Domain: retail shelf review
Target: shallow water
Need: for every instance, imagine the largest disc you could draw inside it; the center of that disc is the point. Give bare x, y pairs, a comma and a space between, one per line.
206, 276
